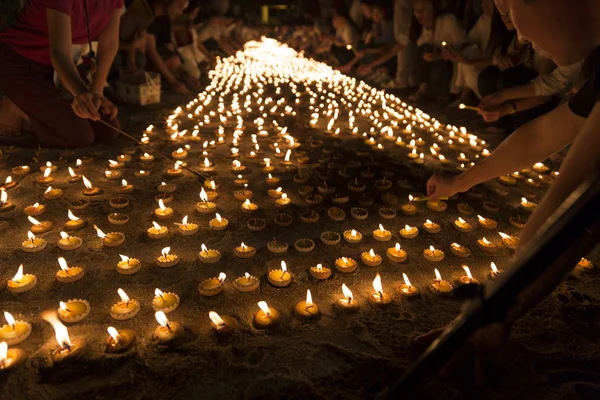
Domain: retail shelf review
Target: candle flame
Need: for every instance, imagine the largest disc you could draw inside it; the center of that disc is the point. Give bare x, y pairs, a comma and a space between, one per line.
222, 276
428, 222
468, 272
283, 266
33, 220
347, 292
218, 217
407, 228
504, 235
86, 182
353, 234
410, 197
247, 275
406, 281
99, 232
203, 195
47, 172
437, 275
124, 258
485, 241
113, 162
462, 221
161, 205
381, 228
158, 292
165, 251
61, 332
377, 285
30, 236
3, 352
287, 155
123, 295
431, 248
156, 226
264, 307
114, 334
9, 319
243, 246
161, 318
63, 264
184, 221
71, 216
216, 319
371, 253
481, 218
319, 267
523, 200
124, 183
3, 196
309, 301
204, 248
494, 268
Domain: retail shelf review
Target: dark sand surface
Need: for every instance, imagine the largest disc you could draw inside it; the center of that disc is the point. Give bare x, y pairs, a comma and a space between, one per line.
554, 352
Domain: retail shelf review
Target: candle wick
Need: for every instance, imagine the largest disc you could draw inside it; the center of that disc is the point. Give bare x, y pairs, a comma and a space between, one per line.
380, 295
66, 346
168, 326
349, 299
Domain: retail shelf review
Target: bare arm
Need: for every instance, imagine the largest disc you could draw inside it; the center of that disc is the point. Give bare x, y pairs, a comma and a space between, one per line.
108, 44
158, 62
59, 31
386, 54
529, 144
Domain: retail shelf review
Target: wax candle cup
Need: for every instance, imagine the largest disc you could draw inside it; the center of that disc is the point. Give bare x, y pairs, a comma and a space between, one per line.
396, 253
165, 301
486, 223
166, 259
33, 244
223, 325
68, 274
320, 272
128, 266
468, 278
486, 245
157, 231
280, 277
218, 223
266, 317
112, 239
89, 190
304, 245
32, 210
406, 290
494, 272
126, 308
246, 283
307, 309
53, 193
187, 228
167, 331
163, 212
431, 227
73, 310
371, 259
437, 206
379, 299
244, 251
14, 331
409, 208
347, 303
462, 226
209, 256
439, 286
352, 236
39, 227
346, 265
73, 222
509, 242
381, 234
409, 232
527, 205
433, 254
119, 340
212, 286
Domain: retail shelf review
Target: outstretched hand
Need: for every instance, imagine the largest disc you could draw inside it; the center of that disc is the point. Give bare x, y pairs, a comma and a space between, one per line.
443, 186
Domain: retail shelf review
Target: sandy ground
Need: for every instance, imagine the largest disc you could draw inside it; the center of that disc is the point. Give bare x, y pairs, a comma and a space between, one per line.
554, 352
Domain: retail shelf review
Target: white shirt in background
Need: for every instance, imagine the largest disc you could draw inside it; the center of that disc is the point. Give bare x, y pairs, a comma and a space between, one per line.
347, 34
355, 13
446, 29
403, 11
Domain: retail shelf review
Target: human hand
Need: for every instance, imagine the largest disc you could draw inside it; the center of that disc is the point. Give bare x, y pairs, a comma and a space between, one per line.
503, 63
443, 186
493, 99
107, 107
483, 343
365, 70
86, 104
494, 113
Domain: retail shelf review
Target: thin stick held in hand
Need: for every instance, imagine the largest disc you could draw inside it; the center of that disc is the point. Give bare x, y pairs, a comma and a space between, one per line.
153, 149
466, 107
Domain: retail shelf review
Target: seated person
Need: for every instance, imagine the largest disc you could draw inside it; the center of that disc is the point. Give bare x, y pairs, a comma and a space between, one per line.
346, 37
429, 31
131, 57
42, 43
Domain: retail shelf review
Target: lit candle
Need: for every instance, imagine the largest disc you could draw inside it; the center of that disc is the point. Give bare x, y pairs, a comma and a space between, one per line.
179, 154
14, 331
5, 205
46, 178
439, 286
176, 170
527, 205
33, 244
468, 278
409, 232
157, 231
119, 340
68, 274
40, 227
146, 158
223, 325
462, 226
494, 272
352, 236
283, 201
246, 283
73, 310
187, 228
163, 212
167, 331
167, 260
209, 256
126, 308
53, 193
112, 239
396, 253
164, 301
167, 187
347, 303
433, 254
212, 286
431, 227
459, 251
74, 222
379, 299
89, 190
486, 245
128, 266
21, 170
409, 208
406, 290
280, 277
271, 180
266, 317
320, 272
346, 265
307, 309
33, 210
370, 258
66, 349
487, 223
381, 234
510, 242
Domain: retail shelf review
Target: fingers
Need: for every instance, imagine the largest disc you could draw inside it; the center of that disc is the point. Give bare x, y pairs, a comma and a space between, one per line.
88, 105
427, 338
431, 185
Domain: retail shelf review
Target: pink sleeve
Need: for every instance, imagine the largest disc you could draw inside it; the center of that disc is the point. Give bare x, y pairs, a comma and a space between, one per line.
63, 6
118, 4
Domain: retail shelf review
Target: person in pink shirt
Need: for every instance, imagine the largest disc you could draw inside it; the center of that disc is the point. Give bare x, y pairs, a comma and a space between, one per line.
40, 47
